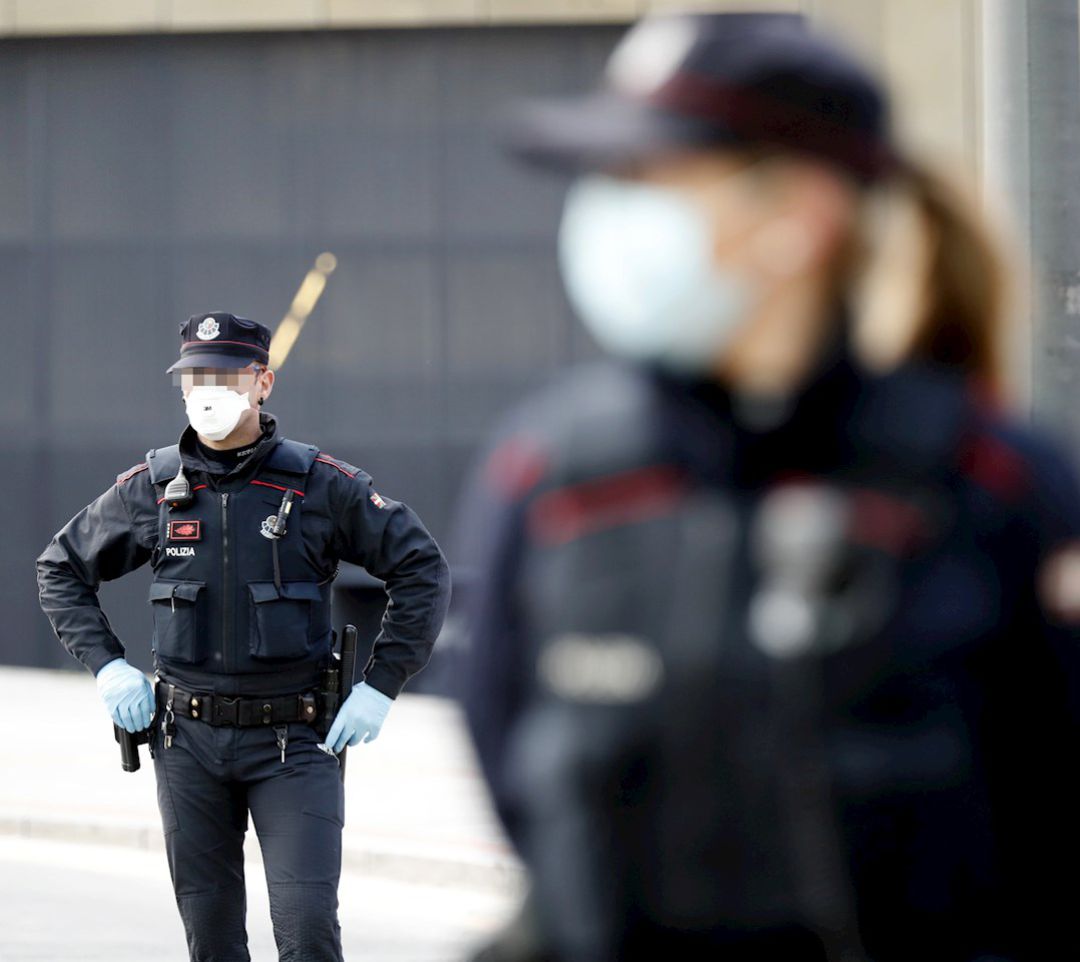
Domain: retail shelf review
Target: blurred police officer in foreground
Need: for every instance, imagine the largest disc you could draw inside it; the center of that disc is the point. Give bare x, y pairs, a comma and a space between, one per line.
774, 652
241, 607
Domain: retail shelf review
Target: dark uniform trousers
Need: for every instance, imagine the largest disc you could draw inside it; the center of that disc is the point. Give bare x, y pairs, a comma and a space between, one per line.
298, 808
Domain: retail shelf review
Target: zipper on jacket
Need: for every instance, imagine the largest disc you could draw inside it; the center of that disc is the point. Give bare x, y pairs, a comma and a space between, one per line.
226, 597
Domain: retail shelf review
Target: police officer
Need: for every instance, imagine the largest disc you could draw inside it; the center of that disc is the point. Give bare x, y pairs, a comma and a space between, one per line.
774, 648
244, 530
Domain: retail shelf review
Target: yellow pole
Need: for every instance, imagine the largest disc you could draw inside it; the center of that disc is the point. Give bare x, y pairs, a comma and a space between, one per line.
303, 303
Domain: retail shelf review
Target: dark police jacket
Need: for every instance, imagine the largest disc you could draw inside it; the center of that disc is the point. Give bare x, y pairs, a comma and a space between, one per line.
662, 773
221, 622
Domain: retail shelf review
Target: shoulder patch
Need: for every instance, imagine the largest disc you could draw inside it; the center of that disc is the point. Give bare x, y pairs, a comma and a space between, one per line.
131, 472
343, 466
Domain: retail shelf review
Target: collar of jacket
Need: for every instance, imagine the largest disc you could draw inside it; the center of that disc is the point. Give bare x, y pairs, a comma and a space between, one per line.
907, 421
193, 460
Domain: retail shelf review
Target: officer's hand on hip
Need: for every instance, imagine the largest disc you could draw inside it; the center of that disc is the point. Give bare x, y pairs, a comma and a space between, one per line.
127, 694
361, 716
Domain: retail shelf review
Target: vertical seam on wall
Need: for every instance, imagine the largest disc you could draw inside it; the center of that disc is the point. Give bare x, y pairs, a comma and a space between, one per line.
972, 66
1033, 318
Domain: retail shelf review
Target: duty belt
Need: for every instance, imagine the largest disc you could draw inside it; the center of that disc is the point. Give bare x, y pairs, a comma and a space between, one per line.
217, 709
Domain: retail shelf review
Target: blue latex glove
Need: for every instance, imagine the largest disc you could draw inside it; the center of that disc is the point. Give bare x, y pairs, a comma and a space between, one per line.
127, 694
361, 716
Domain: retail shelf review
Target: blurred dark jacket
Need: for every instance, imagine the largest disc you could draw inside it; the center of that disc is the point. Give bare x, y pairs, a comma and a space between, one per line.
640, 753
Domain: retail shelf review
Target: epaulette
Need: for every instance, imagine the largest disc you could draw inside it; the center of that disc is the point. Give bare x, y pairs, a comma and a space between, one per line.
350, 470
131, 472
292, 457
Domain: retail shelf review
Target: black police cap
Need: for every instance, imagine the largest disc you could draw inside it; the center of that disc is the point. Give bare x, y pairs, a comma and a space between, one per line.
221, 339
701, 80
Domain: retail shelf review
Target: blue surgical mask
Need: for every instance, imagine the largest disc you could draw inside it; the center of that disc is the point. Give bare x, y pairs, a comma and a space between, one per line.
637, 263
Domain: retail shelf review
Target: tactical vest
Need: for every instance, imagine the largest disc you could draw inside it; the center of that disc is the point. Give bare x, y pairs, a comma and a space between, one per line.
216, 603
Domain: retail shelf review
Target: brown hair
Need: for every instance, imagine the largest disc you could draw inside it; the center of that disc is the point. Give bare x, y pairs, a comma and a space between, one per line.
946, 268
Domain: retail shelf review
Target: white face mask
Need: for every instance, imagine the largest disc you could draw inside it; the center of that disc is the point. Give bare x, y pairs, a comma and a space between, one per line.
637, 264
214, 410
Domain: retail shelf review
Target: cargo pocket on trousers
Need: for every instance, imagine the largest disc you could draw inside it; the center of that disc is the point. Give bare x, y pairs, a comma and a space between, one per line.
281, 622
179, 620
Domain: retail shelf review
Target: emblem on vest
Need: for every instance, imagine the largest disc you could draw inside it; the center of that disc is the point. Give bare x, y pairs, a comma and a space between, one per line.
185, 552
185, 530
208, 329
266, 529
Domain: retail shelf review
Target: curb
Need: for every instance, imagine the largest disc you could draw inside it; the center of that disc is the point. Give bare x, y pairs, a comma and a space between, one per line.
495, 874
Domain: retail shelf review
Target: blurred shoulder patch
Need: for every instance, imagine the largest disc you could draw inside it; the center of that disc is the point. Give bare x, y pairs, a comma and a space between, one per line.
376, 500
1058, 584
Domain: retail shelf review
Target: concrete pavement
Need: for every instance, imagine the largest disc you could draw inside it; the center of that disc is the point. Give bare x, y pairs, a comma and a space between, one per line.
76, 902
416, 809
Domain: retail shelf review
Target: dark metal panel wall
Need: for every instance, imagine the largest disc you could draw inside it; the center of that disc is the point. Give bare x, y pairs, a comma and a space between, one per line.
144, 179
